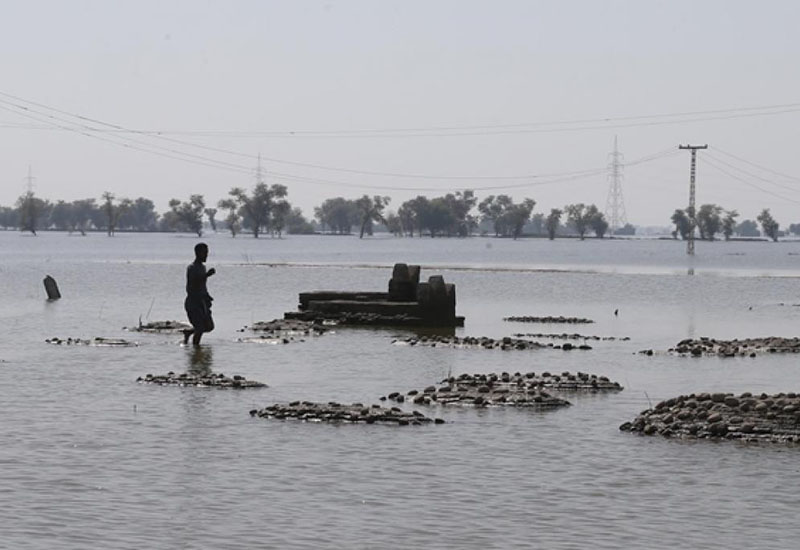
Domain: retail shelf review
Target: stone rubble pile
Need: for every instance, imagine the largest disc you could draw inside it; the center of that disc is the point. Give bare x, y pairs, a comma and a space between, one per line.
522, 390
353, 318
282, 331
482, 391
211, 380
95, 342
575, 336
548, 319
733, 348
762, 418
341, 413
166, 327
483, 342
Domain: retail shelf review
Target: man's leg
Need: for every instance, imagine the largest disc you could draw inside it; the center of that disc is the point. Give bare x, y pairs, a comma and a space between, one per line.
186, 334
196, 338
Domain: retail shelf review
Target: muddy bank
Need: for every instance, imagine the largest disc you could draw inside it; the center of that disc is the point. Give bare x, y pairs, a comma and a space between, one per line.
746, 417
565, 336
747, 347
166, 327
94, 342
211, 380
340, 413
483, 342
548, 319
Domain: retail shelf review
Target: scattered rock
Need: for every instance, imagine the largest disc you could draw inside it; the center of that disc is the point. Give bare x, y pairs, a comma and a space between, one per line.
747, 347
483, 342
519, 390
340, 413
355, 318
166, 327
548, 319
287, 327
566, 336
94, 342
282, 331
211, 380
770, 419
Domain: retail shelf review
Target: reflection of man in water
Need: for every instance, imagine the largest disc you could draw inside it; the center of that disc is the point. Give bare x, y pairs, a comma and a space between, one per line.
201, 360
198, 300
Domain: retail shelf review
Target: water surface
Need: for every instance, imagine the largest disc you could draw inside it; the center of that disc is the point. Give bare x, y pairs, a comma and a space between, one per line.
89, 458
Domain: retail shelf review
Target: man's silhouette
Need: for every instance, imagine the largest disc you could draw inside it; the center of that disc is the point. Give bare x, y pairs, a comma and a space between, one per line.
198, 300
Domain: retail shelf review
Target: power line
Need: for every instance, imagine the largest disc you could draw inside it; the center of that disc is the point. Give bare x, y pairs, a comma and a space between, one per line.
795, 178
199, 161
714, 165
130, 143
84, 119
752, 175
485, 129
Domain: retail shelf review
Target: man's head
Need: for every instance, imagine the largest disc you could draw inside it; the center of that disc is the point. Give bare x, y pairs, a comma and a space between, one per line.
201, 251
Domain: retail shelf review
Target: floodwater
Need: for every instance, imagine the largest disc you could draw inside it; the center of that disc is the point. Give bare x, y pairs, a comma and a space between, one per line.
91, 459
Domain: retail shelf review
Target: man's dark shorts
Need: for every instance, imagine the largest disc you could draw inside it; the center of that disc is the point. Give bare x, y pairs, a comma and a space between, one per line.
199, 314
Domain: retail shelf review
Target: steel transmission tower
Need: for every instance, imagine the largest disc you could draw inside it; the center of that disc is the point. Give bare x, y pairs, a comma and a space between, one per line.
259, 171
615, 205
691, 210
29, 180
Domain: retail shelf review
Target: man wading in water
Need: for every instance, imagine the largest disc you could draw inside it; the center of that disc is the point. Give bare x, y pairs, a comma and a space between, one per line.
198, 300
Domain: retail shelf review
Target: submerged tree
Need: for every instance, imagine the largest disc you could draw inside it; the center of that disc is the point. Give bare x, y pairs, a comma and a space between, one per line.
394, 224
338, 214
492, 209
683, 224
506, 217
627, 229
729, 223
768, 224
517, 215
297, 224
280, 212
9, 217
232, 220
460, 204
189, 214
256, 208
597, 221
709, 221
33, 212
579, 215
112, 212
211, 214
138, 215
552, 222
748, 228
370, 209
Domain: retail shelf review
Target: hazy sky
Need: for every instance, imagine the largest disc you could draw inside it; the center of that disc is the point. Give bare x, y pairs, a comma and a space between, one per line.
489, 90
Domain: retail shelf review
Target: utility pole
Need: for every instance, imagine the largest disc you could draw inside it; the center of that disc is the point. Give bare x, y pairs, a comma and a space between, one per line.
615, 205
691, 209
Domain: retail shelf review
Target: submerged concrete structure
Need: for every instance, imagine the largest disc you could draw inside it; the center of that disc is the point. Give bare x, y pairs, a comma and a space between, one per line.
408, 302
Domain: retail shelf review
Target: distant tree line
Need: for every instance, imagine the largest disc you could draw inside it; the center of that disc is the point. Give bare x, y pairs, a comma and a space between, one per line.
265, 209
262, 210
711, 219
